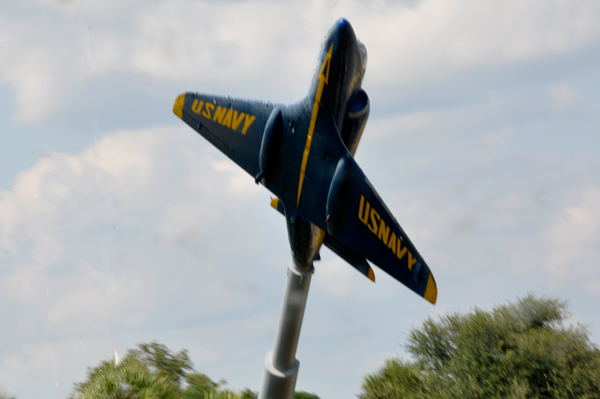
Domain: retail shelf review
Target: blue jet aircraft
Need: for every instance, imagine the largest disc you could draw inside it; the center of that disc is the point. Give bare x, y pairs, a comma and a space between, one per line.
304, 154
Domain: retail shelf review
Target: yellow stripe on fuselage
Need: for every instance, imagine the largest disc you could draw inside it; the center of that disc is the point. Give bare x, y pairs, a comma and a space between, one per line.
313, 119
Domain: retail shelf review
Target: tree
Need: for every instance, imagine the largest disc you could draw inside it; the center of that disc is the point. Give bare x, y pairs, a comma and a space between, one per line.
521, 350
152, 371
248, 394
5, 395
130, 379
304, 395
159, 359
198, 386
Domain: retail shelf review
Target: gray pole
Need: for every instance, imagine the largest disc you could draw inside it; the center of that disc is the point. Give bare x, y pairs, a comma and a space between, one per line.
281, 365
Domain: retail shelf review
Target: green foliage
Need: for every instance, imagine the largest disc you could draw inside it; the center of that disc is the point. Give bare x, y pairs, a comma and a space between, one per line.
153, 372
520, 350
159, 359
130, 379
5, 395
150, 371
198, 386
221, 394
248, 394
395, 380
304, 395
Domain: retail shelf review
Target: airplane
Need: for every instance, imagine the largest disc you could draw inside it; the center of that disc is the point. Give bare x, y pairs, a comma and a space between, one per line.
304, 154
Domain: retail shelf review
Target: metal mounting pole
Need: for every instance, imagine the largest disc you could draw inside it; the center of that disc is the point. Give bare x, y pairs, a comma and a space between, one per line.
281, 365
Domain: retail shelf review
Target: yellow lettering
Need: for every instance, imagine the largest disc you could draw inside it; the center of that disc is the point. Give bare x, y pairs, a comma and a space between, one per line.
227, 120
374, 215
207, 110
392, 242
236, 121
411, 261
219, 114
400, 253
384, 232
197, 106
248, 122
360, 210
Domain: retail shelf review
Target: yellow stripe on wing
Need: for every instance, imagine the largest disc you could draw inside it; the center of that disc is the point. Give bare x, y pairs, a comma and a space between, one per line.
322, 81
431, 290
178, 106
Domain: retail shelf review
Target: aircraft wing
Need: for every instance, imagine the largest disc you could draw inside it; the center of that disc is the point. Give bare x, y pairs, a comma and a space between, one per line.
234, 126
360, 224
358, 218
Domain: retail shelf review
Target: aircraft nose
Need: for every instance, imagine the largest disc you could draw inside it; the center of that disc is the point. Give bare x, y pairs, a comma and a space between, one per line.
342, 22
342, 31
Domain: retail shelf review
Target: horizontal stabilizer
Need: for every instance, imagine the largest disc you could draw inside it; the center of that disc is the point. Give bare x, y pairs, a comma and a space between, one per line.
350, 256
278, 205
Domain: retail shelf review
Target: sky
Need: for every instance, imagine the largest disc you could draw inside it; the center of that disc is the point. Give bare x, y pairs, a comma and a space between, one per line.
119, 224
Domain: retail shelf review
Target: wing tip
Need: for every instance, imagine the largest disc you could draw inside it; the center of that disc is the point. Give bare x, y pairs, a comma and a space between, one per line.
431, 290
371, 274
178, 106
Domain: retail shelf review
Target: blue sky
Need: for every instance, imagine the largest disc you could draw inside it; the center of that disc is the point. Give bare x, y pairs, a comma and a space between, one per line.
119, 224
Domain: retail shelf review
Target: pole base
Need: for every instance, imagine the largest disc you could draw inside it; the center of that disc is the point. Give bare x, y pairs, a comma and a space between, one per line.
278, 384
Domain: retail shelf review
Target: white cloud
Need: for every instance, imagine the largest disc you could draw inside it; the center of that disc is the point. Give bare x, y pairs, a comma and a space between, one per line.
128, 233
435, 37
593, 287
573, 240
89, 299
51, 366
40, 63
153, 230
488, 122
254, 42
336, 277
59, 225
193, 41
